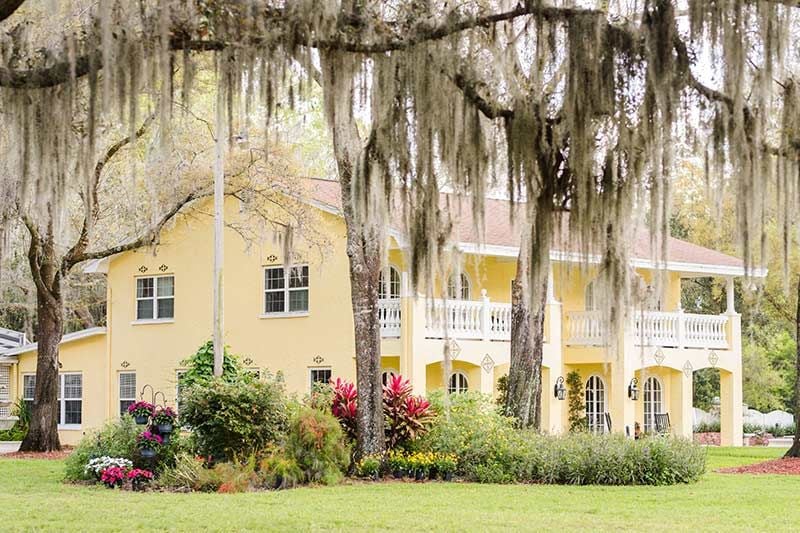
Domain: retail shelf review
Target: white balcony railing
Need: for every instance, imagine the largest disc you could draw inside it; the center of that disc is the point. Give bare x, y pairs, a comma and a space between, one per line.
463, 319
389, 317
653, 328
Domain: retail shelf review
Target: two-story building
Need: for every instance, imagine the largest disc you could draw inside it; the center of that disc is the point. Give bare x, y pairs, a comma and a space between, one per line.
298, 321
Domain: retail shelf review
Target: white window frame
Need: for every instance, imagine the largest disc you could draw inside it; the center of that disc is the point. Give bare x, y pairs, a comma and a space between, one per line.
457, 286
313, 369
389, 278
596, 407
287, 290
459, 387
62, 399
155, 298
119, 390
653, 402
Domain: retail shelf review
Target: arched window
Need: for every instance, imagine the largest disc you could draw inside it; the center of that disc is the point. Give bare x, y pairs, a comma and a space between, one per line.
387, 374
458, 287
589, 300
653, 403
596, 404
458, 383
389, 284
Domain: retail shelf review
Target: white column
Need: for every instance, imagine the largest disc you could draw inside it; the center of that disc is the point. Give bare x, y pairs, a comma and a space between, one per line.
485, 319
551, 290
729, 293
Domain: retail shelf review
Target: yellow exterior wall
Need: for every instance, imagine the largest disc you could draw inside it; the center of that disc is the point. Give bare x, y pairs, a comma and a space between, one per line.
88, 358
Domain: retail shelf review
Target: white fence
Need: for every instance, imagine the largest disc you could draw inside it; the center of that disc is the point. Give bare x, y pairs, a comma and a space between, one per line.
463, 319
653, 328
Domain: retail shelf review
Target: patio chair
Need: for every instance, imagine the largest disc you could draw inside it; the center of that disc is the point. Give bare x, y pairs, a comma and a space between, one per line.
662, 423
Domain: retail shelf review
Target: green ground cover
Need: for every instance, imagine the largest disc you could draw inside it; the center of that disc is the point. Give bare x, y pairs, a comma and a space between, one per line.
32, 496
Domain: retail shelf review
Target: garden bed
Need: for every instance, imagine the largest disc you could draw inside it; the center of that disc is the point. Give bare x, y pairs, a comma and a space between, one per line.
784, 465
62, 454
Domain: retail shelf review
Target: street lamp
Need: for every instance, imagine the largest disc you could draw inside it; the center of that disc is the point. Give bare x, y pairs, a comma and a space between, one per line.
559, 391
633, 389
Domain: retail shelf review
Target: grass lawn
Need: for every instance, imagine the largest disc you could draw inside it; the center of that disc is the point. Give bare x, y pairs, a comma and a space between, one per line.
32, 496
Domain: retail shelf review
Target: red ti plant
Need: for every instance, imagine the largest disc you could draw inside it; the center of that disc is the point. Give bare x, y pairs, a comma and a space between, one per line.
407, 416
345, 406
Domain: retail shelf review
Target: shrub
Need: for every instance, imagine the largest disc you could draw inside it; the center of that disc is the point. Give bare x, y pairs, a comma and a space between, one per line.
186, 473
316, 441
344, 406
709, 427
407, 417
235, 419
369, 466
576, 402
280, 472
117, 438
200, 367
235, 476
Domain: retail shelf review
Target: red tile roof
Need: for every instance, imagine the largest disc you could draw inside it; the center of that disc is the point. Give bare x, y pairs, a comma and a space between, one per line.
499, 231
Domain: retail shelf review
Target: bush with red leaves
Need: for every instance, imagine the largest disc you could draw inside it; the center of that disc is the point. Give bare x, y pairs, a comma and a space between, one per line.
407, 417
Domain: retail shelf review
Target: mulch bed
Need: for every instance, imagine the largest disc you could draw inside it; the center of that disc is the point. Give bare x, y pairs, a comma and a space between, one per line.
65, 451
785, 465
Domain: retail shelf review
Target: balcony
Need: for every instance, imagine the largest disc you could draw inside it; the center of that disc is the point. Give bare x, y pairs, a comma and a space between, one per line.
460, 319
653, 328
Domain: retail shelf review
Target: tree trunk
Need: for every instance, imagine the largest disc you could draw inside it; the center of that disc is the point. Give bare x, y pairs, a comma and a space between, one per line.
43, 431
364, 245
794, 451
524, 398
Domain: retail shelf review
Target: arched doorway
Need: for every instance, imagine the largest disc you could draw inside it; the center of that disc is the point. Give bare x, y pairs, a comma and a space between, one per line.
596, 404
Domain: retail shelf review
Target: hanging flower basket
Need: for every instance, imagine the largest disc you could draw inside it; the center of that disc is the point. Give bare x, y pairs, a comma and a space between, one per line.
141, 411
148, 444
165, 420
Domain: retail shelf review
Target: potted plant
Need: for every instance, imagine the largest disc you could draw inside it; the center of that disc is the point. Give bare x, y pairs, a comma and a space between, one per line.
148, 444
139, 478
446, 465
141, 411
398, 464
164, 419
369, 467
113, 476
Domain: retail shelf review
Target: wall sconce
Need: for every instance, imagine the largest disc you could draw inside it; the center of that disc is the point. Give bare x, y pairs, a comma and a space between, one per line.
633, 389
559, 391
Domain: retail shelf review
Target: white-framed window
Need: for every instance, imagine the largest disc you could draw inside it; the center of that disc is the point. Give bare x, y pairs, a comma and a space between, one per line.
458, 287
387, 374
155, 298
127, 391
319, 375
458, 383
653, 403
596, 404
589, 300
285, 291
389, 284
70, 397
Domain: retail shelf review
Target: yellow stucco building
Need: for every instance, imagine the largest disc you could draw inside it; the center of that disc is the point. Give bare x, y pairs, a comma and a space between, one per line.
299, 322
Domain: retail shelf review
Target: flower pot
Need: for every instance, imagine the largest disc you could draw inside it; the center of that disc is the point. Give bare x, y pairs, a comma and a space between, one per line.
398, 474
148, 453
165, 438
141, 419
420, 475
448, 476
165, 429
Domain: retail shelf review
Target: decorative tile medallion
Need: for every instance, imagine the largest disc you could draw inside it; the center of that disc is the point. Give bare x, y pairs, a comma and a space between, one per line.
142, 269
319, 359
487, 363
163, 268
713, 358
248, 361
688, 369
124, 364
453, 348
659, 356
272, 258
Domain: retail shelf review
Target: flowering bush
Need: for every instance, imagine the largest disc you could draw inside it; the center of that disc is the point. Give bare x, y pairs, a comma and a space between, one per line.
345, 398
315, 441
113, 476
164, 416
140, 474
141, 409
96, 466
149, 440
407, 417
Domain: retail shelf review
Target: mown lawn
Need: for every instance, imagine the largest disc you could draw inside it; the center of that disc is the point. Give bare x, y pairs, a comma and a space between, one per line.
32, 496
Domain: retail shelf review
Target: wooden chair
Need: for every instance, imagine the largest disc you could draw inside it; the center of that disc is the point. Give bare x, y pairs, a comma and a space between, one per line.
662, 423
